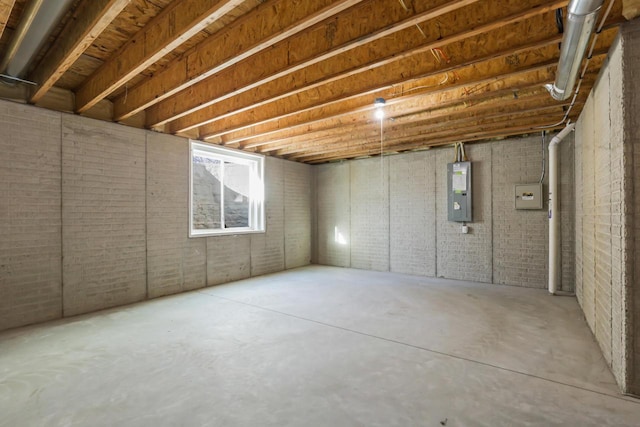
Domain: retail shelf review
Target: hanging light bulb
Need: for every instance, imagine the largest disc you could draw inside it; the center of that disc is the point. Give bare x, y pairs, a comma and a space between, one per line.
379, 103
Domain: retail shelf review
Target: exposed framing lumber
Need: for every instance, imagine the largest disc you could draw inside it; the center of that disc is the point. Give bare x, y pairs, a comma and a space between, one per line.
383, 79
497, 130
436, 108
177, 23
413, 103
482, 75
448, 110
269, 23
6, 6
496, 108
78, 35
361, 59
310, 48
434, 131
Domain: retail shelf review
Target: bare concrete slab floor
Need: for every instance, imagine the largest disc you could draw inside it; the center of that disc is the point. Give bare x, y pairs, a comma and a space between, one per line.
317, 346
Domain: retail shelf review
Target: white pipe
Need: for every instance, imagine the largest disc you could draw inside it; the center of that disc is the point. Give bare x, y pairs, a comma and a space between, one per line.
581, 20
554, 211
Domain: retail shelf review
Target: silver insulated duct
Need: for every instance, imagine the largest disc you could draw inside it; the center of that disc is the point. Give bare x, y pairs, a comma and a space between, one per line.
581, 20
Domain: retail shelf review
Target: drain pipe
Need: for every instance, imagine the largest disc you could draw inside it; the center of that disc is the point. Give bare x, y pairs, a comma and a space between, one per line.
554, 212
581, 20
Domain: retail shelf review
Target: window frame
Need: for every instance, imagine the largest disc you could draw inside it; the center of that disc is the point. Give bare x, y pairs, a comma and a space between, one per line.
256, 201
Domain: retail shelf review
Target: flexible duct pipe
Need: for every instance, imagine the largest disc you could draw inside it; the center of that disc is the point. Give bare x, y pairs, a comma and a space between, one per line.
581, 20
554, 212
38, 20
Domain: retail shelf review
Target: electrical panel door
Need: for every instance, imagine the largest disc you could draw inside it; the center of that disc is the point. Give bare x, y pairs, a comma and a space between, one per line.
459, 192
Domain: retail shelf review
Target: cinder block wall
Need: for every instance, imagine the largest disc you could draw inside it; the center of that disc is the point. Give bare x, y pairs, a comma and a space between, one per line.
390, 214
607, 165
95, 215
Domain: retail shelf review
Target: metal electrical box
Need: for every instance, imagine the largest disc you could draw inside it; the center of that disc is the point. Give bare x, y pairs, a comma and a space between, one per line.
528, 196
459, 191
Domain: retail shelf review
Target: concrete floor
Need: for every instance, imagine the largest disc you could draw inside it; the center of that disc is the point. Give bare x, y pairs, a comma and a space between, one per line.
317, 346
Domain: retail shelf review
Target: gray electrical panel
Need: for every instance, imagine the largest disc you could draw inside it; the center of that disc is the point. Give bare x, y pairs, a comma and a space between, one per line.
528, 196
459, 192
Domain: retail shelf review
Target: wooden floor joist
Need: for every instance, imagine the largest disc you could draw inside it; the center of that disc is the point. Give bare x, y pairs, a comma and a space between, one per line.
372, 83
177, 23
78, 36
270, 23
294, 54
6, 6
361, 60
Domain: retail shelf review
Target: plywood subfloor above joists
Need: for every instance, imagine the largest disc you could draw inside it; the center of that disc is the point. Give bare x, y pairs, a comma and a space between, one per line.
297, 79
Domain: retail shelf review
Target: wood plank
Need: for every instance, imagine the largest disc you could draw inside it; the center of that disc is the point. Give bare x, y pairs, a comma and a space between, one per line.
6, 6
325, 40
367, 57
430, 113
177, 23
497, 130
269, 23
416, 100
461, 123
78, 35
497, 107
435, 110
414, 103
384, 82
322, 102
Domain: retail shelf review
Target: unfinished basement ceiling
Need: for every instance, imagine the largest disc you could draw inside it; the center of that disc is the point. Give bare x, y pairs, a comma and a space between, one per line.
297, 79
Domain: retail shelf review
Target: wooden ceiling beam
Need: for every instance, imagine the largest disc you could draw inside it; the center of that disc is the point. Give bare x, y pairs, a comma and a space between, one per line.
324, 41
498, 130
495, 108
421, 101
6, 6
365, 58
479, 75
177, 23
79, 33
429, 131
434, 110
429, 113
266, 25
381, 82
415, 103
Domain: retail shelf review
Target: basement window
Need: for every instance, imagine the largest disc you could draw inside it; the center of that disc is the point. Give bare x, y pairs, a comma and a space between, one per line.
226, 191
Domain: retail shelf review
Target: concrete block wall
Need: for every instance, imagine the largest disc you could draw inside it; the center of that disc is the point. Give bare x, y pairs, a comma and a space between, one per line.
113, 201
103, 215
401, 225
631, 166
30, 216
333, 214
607, 209
298, 184
369, 180
175, 263
267, 249
412, 233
